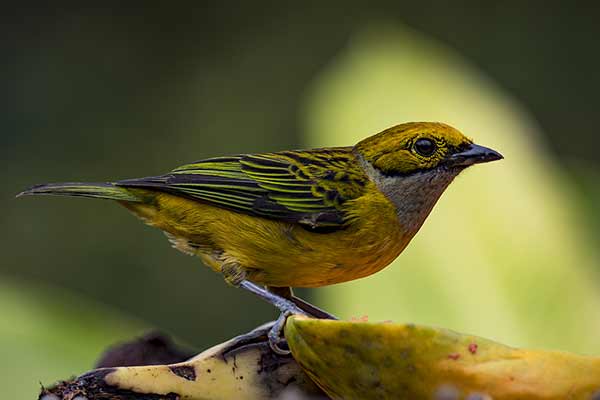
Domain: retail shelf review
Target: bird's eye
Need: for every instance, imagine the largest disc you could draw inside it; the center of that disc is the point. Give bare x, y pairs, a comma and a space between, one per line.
425, 147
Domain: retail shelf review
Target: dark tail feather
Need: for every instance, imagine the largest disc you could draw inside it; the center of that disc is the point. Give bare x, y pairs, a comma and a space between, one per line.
96, 190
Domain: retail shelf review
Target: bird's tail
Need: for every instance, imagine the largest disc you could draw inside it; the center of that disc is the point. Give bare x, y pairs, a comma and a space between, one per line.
96, 190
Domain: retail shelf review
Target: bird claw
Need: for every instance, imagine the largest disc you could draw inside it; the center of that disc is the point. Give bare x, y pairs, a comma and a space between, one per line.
287, 308
276, 335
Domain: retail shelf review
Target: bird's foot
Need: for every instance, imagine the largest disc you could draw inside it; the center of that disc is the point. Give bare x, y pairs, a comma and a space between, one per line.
276, 335
286, 306
277, 341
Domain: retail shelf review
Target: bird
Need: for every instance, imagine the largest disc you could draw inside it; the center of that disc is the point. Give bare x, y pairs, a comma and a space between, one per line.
270, 222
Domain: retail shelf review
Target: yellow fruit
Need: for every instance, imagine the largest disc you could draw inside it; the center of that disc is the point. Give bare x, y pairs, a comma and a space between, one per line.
243, 368
358, 360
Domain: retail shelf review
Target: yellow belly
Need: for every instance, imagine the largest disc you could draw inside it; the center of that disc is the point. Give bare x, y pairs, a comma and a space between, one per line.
276, 253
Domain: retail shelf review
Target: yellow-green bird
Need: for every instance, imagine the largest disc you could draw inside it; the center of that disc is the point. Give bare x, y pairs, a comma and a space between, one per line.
299, 218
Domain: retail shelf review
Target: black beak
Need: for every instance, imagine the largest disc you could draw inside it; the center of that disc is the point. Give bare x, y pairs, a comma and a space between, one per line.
475, 154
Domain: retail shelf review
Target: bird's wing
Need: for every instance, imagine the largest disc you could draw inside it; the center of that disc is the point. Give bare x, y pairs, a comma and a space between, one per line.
306, 187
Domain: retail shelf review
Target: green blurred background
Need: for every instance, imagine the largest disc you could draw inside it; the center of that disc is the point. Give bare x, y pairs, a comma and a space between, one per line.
511, 251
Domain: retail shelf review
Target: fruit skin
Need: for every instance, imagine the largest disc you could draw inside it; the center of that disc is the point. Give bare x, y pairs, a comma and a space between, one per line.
243, 368
358, 360
350, 360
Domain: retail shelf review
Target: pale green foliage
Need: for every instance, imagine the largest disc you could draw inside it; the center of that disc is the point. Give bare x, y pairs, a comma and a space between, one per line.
47, 334
504, 254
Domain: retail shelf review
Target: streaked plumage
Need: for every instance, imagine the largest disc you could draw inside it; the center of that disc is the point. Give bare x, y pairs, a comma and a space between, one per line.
304, 187
299, 218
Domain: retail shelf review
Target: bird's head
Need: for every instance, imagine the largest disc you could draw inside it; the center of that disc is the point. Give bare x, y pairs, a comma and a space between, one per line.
421, 146
413, 163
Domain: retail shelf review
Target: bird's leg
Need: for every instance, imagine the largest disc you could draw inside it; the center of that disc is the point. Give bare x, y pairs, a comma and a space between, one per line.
236, 275
287, 308
314, 311
283, 304
282, 298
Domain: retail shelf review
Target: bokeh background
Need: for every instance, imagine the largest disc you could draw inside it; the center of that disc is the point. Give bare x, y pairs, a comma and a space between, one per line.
510, 252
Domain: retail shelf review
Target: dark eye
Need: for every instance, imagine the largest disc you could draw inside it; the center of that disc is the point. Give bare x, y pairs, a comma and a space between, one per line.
425, 147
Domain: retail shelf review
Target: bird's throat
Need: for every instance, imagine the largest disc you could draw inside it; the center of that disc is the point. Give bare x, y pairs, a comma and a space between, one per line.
413, 195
